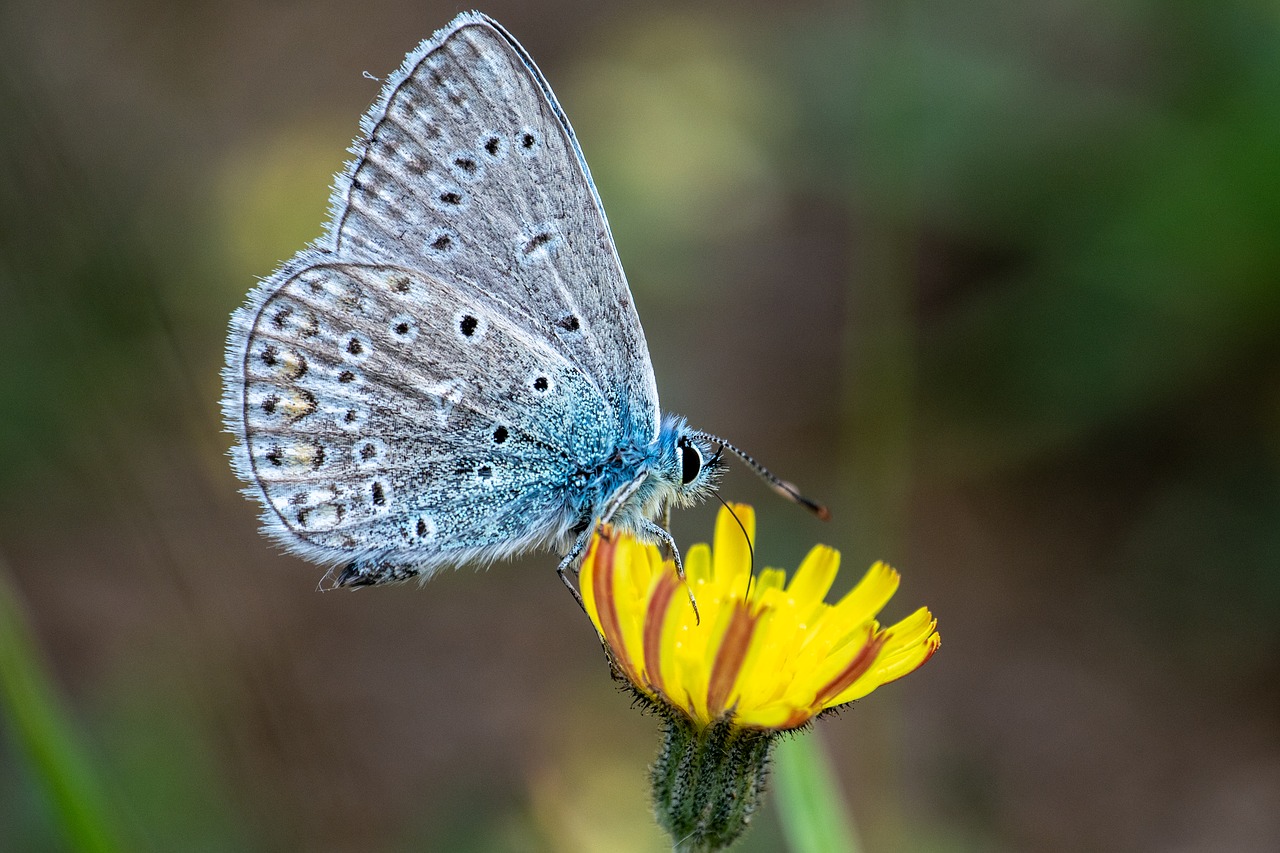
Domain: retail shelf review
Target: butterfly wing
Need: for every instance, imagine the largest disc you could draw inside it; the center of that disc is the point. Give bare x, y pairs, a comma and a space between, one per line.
470, 172
432, 382
388, 418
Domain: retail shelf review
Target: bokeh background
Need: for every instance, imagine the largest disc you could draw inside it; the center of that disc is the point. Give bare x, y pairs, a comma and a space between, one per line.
999, 281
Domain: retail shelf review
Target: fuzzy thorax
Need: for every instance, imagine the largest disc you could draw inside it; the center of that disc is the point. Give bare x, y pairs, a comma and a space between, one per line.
637, 484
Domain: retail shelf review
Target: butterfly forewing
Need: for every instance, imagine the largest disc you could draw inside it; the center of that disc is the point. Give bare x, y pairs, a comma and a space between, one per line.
469, 173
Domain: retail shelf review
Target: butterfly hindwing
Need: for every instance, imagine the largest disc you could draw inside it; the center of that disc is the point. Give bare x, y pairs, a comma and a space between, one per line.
381, 405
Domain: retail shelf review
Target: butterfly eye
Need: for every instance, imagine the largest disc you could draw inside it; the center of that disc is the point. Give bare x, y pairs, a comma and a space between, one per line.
690, 462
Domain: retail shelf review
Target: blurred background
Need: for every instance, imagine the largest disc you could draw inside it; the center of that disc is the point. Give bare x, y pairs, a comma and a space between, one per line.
999, 281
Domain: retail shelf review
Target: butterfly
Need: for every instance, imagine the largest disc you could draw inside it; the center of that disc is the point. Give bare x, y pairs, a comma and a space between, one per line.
455, 372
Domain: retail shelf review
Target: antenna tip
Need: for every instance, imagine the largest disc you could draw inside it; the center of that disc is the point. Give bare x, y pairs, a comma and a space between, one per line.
791, 493
814, 507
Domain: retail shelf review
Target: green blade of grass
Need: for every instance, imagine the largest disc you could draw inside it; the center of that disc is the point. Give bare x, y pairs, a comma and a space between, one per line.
807, 797
43, 731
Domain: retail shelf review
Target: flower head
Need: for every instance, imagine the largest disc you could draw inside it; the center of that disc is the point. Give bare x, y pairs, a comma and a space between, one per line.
761, 655
766, 653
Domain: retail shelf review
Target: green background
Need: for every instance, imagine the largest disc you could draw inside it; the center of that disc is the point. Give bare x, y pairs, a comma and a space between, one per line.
998, 281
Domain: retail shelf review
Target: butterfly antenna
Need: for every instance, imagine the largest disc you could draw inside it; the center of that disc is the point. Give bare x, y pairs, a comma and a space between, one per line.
751, 551
775, 482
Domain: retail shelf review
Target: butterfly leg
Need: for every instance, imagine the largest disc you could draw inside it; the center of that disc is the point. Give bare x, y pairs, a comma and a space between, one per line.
669, 544
668, 550
369, 573
579, 545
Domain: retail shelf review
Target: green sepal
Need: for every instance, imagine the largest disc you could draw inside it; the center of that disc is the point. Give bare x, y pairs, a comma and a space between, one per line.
708, 781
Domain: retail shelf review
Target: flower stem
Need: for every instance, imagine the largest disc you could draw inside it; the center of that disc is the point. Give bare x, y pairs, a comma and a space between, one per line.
810, 809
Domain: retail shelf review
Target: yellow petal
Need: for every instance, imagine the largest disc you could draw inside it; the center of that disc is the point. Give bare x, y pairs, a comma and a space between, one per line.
697, 565
870, 594
692, 648
731, 555
586, 583
913, 629
731, 654
632, 589
766, 580
608, 610
899, 661
862, 662
909, 660
810, 583
659, 627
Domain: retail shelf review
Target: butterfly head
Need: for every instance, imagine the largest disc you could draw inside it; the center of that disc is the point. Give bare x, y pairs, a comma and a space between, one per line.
692, 463
689, 464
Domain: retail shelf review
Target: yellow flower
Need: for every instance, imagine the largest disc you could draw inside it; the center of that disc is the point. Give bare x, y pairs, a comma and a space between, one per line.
766, 654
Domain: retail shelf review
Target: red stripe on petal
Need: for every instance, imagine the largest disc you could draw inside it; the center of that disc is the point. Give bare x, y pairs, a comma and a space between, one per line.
729, 658
798, 717
655, 618
607, 604
856, 668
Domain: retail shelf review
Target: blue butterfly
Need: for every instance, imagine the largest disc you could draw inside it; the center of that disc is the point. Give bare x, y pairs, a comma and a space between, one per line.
455, 371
